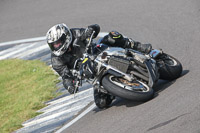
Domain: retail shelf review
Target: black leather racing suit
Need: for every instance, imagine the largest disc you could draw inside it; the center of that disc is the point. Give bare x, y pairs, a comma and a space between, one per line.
63, 64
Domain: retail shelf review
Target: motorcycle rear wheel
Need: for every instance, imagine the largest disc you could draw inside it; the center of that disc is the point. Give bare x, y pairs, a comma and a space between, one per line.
137, 90
171, 69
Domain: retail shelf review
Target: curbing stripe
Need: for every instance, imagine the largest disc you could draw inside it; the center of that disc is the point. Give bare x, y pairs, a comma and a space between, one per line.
36, 39
24, 41
70, 96
53, 116
56, 107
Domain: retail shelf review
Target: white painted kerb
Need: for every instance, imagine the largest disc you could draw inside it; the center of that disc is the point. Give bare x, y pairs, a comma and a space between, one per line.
101, 34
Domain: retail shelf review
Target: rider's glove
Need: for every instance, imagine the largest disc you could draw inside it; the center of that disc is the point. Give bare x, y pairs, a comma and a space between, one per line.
88, 32
96, 28
92, 28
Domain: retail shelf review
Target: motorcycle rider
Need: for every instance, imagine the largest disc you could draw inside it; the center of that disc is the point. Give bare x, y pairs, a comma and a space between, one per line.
65, 51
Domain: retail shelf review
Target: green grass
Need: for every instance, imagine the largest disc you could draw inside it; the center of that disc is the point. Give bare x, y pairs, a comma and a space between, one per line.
24, 87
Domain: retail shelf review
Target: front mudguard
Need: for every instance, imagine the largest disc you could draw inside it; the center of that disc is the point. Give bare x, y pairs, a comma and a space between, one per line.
112, 72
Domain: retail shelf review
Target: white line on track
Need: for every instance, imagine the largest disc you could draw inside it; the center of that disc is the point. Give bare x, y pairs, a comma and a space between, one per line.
77, 118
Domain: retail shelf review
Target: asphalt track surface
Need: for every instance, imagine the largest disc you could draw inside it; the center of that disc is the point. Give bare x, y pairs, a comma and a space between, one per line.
172, 25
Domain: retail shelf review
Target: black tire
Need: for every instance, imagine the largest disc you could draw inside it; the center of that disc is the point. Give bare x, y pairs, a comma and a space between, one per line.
171, 68
117, 90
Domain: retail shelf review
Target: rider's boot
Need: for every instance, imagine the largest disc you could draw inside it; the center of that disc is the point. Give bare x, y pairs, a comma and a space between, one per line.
102, 100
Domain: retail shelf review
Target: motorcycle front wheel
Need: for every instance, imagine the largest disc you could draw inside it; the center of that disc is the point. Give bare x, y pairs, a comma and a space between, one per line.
135, 90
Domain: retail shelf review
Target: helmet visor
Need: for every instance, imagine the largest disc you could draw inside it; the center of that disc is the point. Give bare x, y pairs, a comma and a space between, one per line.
55, 46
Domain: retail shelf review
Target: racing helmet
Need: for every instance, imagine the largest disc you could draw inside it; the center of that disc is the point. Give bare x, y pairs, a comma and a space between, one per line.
59, 38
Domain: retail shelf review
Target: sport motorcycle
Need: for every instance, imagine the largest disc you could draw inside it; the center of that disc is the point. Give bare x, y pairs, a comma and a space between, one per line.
124, 73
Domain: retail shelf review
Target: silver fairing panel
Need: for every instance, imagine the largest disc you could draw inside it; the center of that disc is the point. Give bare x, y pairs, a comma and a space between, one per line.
150, 63
117, 51
153, 72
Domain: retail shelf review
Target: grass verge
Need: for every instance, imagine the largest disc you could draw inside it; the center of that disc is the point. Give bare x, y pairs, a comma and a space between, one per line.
24, 87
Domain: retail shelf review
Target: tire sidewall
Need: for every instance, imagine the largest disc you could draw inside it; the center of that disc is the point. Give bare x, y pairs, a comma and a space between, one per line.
124, 93
168, 72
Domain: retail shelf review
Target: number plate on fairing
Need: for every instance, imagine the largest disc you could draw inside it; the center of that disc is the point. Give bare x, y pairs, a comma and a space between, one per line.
155, 53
